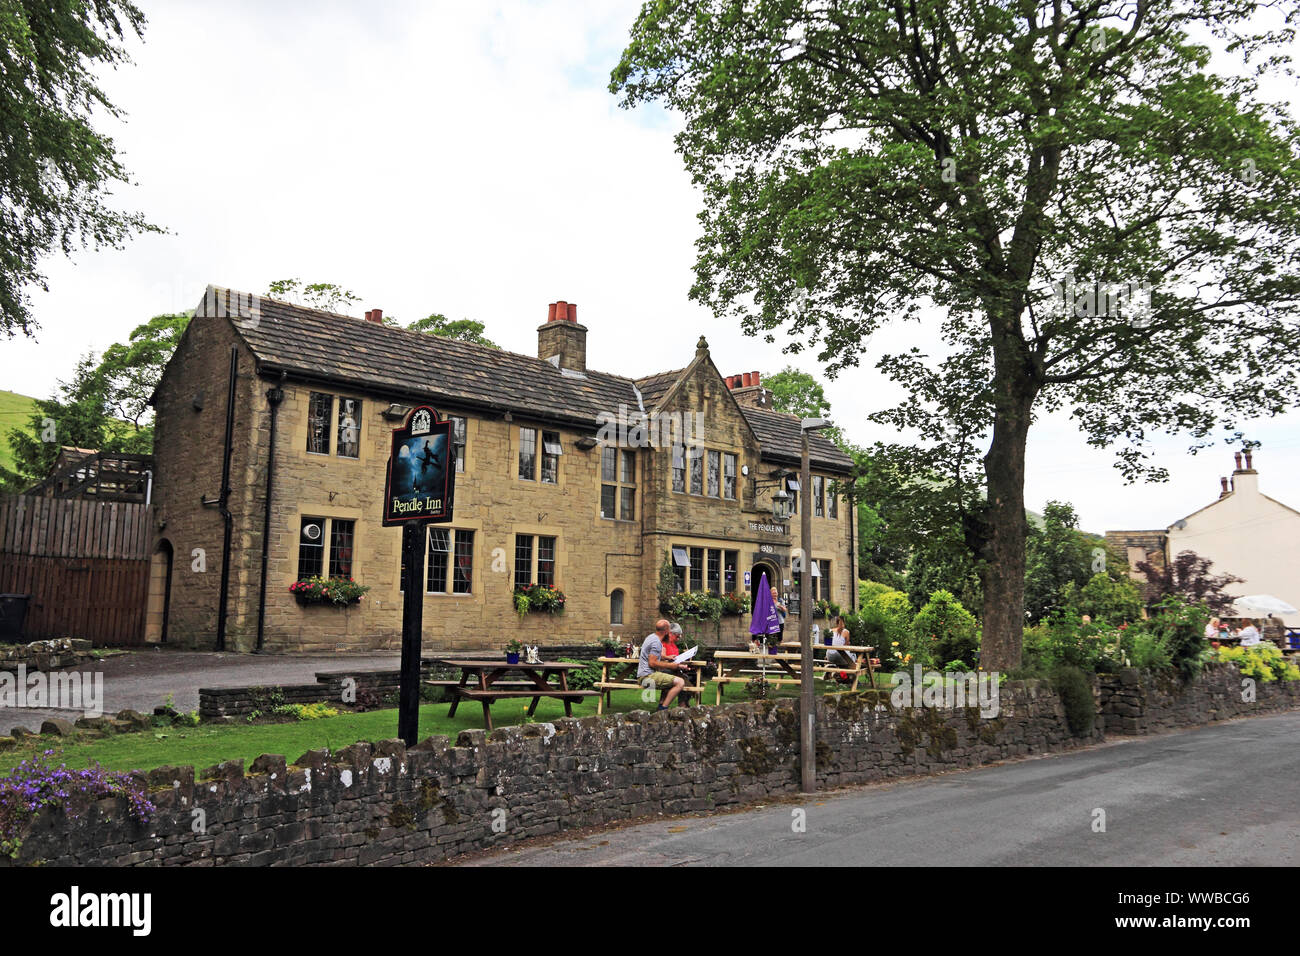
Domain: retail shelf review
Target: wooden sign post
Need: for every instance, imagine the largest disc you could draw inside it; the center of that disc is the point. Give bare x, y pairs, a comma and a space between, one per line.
418, 491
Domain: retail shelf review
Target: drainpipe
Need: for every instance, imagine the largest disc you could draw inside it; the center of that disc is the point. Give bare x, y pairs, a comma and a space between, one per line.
853, 554
274, 396
223, 502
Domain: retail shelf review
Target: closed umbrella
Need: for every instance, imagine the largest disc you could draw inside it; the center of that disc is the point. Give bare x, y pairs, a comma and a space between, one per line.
1262, 605
765, 619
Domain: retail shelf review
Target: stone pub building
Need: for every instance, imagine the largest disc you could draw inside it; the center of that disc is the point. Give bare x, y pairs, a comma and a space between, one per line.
272, 435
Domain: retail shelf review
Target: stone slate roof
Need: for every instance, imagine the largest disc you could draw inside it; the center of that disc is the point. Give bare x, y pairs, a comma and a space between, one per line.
779, 435
328, 347
655, 387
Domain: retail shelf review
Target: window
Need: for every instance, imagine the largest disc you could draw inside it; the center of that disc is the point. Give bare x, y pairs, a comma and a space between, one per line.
458, 442
697, 569
311, 548
618, 488
438, 562
546, 560
729, 560
681, 561
728, 475
697, 471
822, 571
616, 607
435, 567
832, 503
349, 434
551, 452
523, 560
714, 571
525, 573
320, 410
679, 468
462, 575
819, 496
793, 485
715, 470
325, 548
528, 453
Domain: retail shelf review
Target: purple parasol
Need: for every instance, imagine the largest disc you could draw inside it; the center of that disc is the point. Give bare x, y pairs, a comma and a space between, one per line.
765, 619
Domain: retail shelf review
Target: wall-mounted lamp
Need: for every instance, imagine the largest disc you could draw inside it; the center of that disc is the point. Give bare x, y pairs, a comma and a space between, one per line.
397, 411
586, 443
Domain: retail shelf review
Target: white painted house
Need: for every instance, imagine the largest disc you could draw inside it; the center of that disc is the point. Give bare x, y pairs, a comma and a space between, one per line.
1246, 533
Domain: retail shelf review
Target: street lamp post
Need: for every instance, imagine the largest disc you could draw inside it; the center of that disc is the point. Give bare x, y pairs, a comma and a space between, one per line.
807, 706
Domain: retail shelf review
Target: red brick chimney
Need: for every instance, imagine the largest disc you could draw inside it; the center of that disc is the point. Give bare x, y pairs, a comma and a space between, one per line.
376, 316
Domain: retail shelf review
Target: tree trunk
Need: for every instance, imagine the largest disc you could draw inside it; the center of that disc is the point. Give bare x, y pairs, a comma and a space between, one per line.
1004, 570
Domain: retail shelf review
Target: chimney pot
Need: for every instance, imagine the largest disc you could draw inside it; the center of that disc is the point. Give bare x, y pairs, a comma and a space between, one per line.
1237, 456
573, 312
746, 379
1249, 466
757, 378
1223, 487
753, 378
376, 316
561, 312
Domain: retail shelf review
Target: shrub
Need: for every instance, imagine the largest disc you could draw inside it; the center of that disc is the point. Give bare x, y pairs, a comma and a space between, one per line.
1062, 640
870, 590
944, 631
1180, 629
1262, 661
1104, 599
585, 677
307, 711
34, 784
1075, 691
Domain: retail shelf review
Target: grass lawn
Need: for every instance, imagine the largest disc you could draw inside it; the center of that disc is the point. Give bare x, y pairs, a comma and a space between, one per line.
205, 745
15, 412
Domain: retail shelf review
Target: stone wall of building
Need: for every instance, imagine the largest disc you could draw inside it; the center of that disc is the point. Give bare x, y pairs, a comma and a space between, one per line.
189, 438
595, 555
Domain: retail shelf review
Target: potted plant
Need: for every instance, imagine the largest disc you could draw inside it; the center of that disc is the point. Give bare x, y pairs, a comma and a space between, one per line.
613, 647
513, 648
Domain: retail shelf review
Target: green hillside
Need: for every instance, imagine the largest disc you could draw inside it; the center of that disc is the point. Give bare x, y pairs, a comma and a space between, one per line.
15, 412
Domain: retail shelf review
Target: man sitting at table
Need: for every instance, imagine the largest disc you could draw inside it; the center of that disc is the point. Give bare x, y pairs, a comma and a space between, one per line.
652, 670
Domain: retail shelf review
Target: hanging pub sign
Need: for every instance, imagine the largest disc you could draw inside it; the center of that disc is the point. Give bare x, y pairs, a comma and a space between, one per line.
421, 473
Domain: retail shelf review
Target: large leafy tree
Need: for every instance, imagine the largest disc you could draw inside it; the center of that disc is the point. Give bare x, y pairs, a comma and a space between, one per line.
104, 407
464, 330
56, 171
999, 162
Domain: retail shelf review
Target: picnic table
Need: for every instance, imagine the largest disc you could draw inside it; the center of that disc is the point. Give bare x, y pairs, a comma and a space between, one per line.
740, 667
863, 662
613, 676
480, 680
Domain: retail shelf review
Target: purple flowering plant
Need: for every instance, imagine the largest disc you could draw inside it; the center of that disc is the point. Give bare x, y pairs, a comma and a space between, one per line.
36, 783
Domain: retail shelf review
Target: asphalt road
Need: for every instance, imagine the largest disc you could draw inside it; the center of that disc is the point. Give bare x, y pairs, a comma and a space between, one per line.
141, 679
1225, 795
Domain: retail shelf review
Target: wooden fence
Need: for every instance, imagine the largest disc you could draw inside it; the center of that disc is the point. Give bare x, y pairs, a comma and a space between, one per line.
85, 564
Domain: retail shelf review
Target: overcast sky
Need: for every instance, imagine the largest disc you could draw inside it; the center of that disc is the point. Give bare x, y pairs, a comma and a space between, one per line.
466, 158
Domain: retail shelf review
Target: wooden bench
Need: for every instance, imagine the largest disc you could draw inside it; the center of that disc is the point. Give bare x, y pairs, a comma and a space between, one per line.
612, 682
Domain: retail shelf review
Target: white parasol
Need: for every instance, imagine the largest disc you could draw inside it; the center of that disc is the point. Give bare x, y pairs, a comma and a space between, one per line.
1262, 605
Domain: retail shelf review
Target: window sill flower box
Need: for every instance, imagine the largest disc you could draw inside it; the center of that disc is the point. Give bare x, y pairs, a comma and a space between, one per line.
334, 592
538, 599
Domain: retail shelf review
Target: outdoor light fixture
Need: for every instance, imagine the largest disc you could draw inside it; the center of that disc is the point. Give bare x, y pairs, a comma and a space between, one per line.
586, 443
397, 412
781, 504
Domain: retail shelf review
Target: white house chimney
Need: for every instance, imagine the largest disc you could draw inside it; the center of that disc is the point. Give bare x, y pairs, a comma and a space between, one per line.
1245, 480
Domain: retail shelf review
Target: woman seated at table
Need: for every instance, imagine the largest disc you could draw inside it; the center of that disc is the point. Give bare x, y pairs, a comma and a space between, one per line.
1249, 634
839, 638
670, 642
